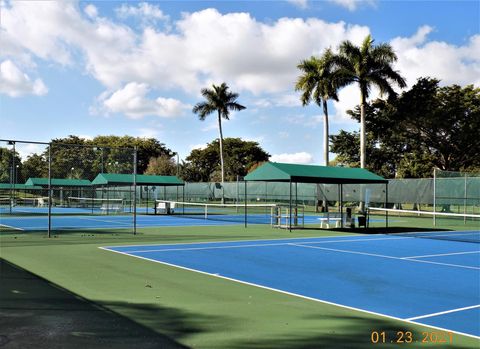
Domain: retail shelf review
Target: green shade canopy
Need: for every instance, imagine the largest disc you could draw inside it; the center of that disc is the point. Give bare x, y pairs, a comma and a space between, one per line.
18, 186
58, 182
127, 179
280, 172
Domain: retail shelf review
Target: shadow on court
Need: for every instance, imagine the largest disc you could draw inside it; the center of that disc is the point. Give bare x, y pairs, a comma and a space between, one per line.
35, 313
352, 332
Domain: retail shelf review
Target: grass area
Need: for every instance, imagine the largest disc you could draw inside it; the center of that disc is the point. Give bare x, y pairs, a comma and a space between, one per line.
189, 308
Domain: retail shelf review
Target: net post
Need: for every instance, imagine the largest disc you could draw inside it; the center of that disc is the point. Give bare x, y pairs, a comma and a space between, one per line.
135, 190
49, 189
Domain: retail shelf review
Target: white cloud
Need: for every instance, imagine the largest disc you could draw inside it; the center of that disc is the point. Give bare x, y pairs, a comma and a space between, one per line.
198, 146
205, 46
25, 149
418, 57
132, 101
295, 158
15, 83
303, 4
208, 46
348, 99
143, 10
91, 11
352, 5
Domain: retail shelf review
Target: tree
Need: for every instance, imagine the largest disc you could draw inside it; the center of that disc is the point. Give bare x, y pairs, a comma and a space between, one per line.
427, 126
162, 165
6, 163
35, 166
368, 65
319, 83
202, 164
116, 152
218, 99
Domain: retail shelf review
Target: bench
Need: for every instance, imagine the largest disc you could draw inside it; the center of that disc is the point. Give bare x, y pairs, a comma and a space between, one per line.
110, 208
330, 218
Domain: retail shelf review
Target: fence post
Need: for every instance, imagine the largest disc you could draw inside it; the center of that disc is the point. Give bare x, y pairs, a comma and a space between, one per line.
135, 190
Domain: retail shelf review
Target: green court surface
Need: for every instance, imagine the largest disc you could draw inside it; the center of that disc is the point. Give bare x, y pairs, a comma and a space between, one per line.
165, 306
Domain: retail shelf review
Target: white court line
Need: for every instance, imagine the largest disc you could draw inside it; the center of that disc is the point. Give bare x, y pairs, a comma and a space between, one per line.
438, 233
291, 293
441, 254
252, 245
207, 248
10, 227
106, 221
388, 257
444, 312
362, 236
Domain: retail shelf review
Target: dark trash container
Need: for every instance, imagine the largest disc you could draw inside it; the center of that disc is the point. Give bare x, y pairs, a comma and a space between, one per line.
362, 221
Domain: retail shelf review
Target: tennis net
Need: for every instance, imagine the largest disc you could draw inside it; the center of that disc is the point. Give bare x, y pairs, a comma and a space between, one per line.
24, 201
431, 225
253, 213
97, 204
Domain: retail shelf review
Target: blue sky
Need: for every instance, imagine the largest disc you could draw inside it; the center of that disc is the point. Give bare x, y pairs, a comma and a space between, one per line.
136, 68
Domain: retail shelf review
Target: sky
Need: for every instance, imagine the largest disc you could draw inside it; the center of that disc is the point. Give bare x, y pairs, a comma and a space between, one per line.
91, 68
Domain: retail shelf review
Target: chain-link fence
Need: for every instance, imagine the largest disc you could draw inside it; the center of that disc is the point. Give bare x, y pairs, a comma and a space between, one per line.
51, 188
54, 187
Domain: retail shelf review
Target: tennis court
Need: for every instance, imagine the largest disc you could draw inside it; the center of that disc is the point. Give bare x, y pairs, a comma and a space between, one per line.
424, 281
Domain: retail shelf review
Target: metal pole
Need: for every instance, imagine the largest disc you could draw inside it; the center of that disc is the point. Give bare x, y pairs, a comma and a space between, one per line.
434, 196
295, 218
341, 206
386, 202
135, 191
245, 202
290, 208
49, 189
14, 173
465, 202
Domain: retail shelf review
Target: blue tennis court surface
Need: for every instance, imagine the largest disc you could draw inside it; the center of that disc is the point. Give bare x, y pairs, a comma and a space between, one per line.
430, 282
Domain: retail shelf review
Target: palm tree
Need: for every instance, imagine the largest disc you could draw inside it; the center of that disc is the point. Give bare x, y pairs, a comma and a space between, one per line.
219, 99
319, 83
368, 65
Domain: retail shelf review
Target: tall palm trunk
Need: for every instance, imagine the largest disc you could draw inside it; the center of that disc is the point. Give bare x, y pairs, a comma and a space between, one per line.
326, 148
362, 140
325, 132
362, 132
221, 154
